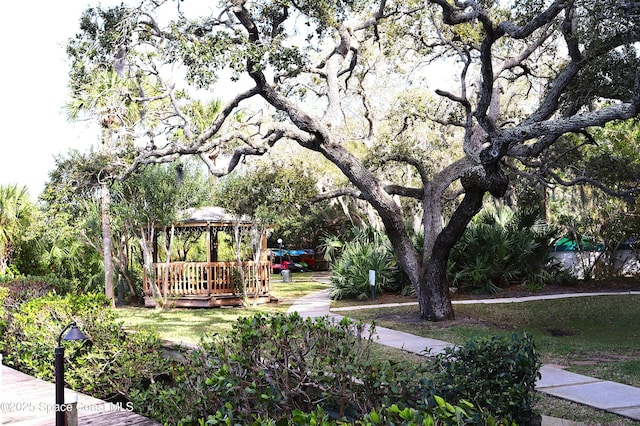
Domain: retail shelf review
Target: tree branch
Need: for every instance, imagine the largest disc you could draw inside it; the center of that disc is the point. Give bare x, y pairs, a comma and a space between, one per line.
520, 32
349, 192
424, 176
628, 195
553, 128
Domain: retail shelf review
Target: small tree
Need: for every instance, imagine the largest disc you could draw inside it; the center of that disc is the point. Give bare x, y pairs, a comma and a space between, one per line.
265, 195
152, 200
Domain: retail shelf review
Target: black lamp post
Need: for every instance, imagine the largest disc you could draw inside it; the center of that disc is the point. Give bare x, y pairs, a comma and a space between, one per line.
73, 334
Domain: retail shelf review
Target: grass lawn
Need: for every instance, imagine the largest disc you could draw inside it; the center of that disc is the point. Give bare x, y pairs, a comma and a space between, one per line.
189, 325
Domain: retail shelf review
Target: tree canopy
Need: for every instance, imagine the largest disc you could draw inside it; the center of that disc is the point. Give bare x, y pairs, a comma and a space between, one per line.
424, 106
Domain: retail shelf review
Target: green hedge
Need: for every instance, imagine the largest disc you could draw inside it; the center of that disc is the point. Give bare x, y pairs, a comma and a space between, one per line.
22, 289
279, 369
279, 363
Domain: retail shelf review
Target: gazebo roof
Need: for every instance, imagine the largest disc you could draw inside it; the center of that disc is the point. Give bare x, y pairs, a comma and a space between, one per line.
209, 215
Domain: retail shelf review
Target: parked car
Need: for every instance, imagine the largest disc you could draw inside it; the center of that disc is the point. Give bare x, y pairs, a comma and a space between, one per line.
291, 266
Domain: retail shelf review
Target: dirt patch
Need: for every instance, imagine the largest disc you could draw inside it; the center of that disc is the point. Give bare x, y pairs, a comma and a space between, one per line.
556, 332
602, 359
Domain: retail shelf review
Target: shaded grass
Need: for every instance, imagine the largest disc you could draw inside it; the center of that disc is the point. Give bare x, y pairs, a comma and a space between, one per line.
301, 284
596, 336
190, 325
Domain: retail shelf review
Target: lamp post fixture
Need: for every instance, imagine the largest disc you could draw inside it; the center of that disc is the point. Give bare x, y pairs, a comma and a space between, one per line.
73, 334
280, 251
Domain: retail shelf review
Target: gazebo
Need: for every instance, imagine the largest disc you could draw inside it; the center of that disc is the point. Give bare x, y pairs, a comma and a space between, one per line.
208, 283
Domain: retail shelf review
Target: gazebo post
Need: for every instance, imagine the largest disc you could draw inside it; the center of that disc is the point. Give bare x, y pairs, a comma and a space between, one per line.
209, 259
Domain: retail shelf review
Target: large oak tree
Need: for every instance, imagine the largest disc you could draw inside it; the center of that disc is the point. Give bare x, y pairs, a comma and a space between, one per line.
432, 101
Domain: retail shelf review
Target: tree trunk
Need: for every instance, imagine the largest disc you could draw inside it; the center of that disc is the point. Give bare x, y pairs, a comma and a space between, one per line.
256, 241
121, 261
148, 252
107, 243
168, 249
434, 298
237, 235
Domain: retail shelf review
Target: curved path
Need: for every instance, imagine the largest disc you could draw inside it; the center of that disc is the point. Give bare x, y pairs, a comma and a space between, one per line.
610, 396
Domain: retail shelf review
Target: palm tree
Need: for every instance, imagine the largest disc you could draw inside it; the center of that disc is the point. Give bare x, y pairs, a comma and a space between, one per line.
102, 99
16, 213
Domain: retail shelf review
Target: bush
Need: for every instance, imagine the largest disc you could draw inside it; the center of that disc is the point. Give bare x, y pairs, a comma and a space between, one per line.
286, 370
497, 374
270, 369
108, 366
22, 289
4, 314
368, 250
501, 248
350, 274
280, 363
442, 414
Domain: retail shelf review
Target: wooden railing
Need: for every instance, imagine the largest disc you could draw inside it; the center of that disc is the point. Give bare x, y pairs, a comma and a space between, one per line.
203, 278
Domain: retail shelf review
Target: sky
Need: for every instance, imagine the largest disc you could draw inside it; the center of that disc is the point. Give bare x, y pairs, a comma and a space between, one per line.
33, 91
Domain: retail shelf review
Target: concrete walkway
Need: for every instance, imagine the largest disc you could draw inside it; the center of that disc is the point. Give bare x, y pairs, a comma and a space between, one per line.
605, 395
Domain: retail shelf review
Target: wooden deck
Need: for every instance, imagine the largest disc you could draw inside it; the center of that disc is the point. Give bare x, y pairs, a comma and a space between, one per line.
25, 400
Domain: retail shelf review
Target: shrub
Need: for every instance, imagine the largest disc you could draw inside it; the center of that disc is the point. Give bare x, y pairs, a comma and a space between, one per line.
109, 365
442, 414
350, 273
4, 314
22, 289
280, 363
497, 374
368, 250
501, 248
275, 362
286, 370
